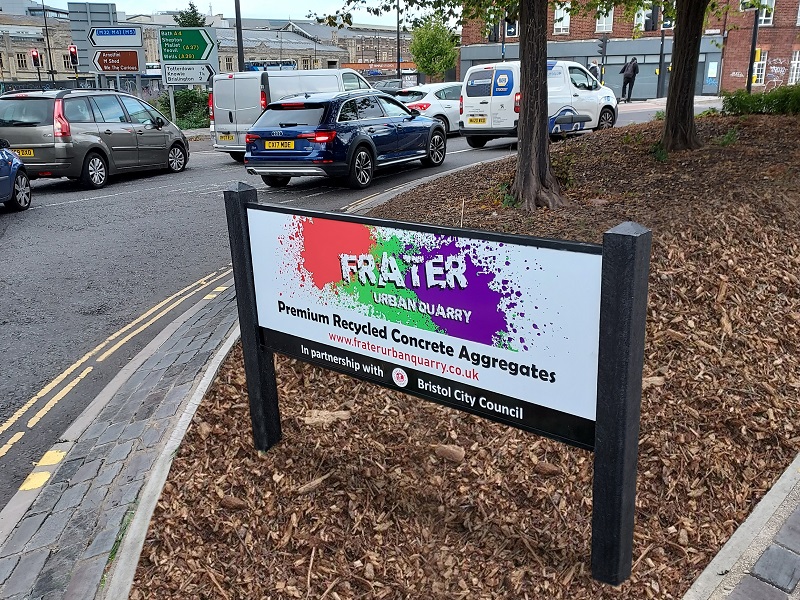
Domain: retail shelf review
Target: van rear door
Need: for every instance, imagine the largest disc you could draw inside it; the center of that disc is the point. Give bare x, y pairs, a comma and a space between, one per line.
502, 105
477, 98
559, 98
249, 102
224, 112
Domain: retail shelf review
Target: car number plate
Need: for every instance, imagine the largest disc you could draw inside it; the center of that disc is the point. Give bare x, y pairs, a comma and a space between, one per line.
23, 151
477, 120
225, 138
280, 145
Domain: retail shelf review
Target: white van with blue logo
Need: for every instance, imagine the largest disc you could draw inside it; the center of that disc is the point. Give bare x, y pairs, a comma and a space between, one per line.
491, 100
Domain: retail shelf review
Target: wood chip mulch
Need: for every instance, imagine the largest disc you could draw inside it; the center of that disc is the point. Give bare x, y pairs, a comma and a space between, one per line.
374, 494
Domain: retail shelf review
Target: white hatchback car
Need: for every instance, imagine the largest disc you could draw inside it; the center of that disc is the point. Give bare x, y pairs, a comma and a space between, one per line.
436, 100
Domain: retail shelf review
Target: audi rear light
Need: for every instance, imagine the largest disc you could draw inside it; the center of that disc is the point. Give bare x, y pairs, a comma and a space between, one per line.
319, 137
420, 106
263, 100
249, 138
516, 102
60, 123
461, 105
211, 106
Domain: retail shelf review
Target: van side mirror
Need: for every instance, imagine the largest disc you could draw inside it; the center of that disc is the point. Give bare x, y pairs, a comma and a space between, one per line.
160, 122
4, 144
596, 85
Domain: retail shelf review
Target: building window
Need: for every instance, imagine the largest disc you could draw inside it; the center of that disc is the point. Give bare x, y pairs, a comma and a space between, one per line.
760, 67
229, 63
794, 68
765, 15
798, 15
561, 18
605, 22
305, 64
638, 20
66, 62
22, 61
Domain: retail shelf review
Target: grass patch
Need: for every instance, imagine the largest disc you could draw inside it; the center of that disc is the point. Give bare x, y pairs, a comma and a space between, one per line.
659, 152
729, 138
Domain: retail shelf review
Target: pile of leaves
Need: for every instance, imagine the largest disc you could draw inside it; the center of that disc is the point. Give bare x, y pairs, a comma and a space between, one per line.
375, 494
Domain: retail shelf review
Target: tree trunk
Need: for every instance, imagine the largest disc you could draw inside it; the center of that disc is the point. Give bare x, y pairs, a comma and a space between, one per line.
679, 127
534, 183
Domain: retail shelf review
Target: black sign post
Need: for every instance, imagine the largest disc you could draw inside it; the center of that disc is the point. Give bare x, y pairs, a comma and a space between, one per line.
623, 309
259, 362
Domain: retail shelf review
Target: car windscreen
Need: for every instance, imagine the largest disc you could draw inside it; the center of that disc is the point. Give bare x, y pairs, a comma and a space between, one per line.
291, 114
26, 112
406, 96
479, 83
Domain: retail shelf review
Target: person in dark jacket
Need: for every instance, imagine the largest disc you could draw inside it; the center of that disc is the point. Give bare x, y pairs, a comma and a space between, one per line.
629, 72
594, 69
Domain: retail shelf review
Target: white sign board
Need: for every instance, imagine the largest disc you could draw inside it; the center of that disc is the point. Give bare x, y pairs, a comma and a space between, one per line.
116, 37
501, 325
187, 74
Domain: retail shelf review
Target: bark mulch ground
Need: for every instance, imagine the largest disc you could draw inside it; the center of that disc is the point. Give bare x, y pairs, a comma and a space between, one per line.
374, 494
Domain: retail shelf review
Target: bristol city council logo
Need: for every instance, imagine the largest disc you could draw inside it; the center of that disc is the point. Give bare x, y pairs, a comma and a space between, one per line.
400, 378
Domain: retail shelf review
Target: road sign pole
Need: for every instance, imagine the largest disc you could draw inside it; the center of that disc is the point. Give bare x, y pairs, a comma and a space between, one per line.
172, 102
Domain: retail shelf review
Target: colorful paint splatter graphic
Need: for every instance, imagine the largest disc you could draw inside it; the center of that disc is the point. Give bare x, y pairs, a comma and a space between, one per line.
460, 287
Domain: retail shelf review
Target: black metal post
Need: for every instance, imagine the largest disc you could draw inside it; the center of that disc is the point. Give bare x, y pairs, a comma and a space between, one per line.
623, 309
756, 15
398, 40
239, 41
660, 80
259, 365
51, 70
503, 42
39, 74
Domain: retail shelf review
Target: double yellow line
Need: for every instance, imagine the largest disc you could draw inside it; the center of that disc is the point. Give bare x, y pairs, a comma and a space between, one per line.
105, 349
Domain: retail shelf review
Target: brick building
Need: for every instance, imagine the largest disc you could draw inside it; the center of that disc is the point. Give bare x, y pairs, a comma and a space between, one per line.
724, 54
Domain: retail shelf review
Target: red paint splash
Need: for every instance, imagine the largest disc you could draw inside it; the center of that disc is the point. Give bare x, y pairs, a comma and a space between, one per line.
324, 241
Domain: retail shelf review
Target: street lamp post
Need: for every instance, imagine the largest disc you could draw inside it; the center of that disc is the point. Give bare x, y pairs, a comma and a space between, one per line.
50, 69
239, 41
398, 39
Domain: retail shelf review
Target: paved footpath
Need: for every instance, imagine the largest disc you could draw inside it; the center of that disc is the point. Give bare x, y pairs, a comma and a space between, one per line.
58, 539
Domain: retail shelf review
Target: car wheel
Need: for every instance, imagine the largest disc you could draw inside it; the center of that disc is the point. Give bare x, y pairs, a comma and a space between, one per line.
437, 148
275, 181
361, 168
443, 121
95, 171
237, 156
176, 159
20, 193
606, 119
476, 142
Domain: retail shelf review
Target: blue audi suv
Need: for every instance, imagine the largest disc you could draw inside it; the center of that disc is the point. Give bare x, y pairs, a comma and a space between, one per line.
340, 134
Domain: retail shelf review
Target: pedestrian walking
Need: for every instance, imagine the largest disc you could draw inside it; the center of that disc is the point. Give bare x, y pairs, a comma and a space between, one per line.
629, 72
594, 69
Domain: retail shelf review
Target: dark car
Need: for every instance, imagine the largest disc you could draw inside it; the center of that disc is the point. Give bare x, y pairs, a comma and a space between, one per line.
340, 134
390, 86
89, 134
15, 187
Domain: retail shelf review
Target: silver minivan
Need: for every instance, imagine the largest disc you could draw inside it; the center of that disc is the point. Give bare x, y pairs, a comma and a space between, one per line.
238, 99
89, 135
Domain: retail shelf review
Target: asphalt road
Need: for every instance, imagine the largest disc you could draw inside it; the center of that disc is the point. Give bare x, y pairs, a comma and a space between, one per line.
81, 265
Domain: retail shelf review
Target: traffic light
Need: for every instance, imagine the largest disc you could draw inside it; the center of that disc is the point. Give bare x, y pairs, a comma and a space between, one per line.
602, 45
37, 60
651, 17
73, 55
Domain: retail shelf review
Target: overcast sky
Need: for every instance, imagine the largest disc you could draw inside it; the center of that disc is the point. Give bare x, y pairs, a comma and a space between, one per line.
256, 9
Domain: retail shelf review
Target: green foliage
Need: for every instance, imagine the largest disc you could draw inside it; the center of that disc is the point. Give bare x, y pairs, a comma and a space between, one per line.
509, 200
784, 100
659, 152
190, 17
709, 112
632, 140
563, 165
660, 115
729, 138
433, 47
191, 108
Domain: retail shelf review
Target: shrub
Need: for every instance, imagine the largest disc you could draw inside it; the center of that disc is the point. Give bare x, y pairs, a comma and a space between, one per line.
727, 139
660, 115
784, 100
191, 108
659, 152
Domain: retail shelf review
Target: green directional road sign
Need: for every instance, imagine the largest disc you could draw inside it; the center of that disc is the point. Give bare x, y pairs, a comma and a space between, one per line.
185, 44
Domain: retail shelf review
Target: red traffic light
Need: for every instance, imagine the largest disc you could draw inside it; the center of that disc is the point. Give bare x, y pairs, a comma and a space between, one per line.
36, 59
73, 55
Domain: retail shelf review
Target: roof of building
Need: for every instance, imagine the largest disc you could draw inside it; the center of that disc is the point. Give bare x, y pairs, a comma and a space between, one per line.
274, 40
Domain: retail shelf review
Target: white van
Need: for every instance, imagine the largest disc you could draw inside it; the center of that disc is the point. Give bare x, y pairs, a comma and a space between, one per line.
490, 101
238, 99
